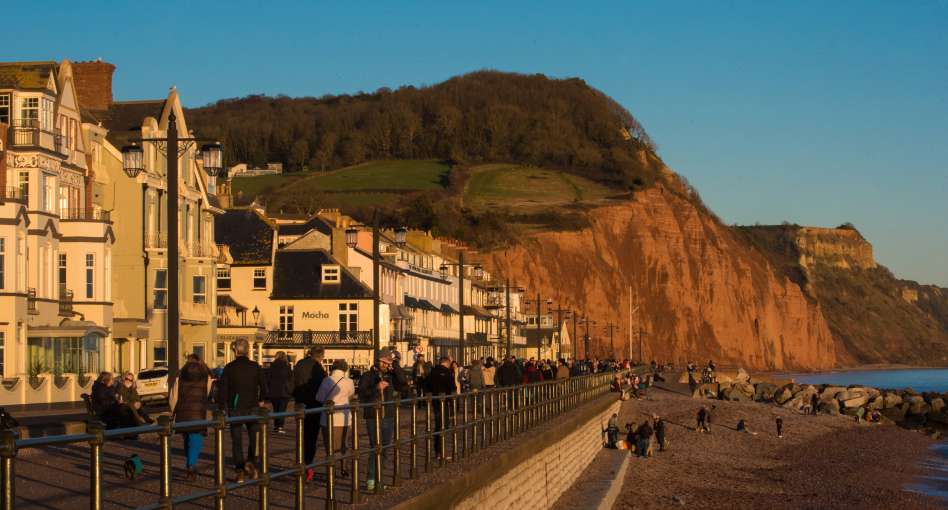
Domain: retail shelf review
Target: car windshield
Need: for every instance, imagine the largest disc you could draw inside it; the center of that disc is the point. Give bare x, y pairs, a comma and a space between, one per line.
152, 374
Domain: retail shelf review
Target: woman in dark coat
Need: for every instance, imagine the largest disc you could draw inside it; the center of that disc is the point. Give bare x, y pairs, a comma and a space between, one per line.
279, 379
190, 404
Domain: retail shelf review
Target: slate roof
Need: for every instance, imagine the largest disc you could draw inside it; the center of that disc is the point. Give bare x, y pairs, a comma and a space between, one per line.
298, 229
124, 119
297, 274
249, 237
26, 75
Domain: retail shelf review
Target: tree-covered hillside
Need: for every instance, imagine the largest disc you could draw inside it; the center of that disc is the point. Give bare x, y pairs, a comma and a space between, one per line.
481, 117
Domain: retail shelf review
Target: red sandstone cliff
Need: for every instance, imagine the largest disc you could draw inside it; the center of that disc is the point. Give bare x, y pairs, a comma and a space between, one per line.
702, 293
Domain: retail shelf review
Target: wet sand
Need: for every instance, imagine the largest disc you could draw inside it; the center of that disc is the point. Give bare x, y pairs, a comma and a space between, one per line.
822, 462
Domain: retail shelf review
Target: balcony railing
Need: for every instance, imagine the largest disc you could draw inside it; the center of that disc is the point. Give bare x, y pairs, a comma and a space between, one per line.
31, 302
154, 240
85, 214
204, 250
27, 133
344, 339
65, 303
12, 195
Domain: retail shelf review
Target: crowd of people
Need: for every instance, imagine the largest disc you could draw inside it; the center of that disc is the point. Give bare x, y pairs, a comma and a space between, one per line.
243, 386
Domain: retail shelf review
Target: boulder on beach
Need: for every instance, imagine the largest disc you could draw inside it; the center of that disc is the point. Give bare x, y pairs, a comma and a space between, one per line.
783, 395
938, 404
891, 400
940, 418
742, 376
876, 403
829, 406
854, 401
764, 392
831, 391
709, 390
919, 408
895, 414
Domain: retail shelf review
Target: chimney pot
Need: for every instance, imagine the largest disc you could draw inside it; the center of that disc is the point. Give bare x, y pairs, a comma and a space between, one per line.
94, 84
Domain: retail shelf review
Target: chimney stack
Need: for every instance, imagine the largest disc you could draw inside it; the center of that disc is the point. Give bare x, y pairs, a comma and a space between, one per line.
94, 84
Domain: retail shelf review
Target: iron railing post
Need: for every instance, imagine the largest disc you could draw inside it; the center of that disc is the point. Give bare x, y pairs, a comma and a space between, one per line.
300, 496
7, 469
377, 452
477, 430
454, 428
264, 442
164, 442
442, 428
220, 422
330, 457
354, 413
413, 466
429, 440
396, 441
97, 429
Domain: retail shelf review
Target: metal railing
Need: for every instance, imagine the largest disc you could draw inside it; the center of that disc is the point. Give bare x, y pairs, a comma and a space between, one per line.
13, 195
346, 339
156, 240
84, 214
462, 423
28, 133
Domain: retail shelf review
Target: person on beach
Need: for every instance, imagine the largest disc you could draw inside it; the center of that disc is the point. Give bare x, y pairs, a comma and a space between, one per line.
742, 427
659, 426
779, 422
704, 420
644, 436
692, 382
630, 437
814, 403
612, 431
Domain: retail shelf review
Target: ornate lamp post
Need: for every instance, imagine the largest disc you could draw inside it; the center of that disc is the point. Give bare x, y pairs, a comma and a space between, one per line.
478, 272
352, 240
173, 147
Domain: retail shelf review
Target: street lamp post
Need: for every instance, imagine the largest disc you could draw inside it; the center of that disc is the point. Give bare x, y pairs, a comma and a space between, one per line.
612, 346
561, 313
212, 154
539, 305
352, 240
444, 274
507, 288
586, 322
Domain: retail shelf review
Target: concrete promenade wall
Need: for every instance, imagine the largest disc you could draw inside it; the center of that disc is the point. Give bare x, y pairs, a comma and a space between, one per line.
533, 472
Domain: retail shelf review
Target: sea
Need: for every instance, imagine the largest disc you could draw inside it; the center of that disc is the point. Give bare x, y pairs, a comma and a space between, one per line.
935, 481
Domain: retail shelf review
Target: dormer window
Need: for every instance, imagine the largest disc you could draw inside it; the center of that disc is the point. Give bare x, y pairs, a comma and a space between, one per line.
331, 274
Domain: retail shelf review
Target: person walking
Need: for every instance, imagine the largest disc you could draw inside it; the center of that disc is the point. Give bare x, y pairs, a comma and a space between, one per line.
644, 437
702, 420
242, 390
490, 371
476, 375
379, 384
419, 374
814, 403
660, 432
308, 375
509, 373
612, 431
279, 379
562, 370
779, 422
441, 384
339, 389
189, 402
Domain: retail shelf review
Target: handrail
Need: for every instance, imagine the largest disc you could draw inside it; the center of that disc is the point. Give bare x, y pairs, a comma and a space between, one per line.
462, 422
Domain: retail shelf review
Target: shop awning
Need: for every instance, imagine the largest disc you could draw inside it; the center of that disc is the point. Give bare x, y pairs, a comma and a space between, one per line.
224, 300
425, 304
477, 311
444, 342
446, 308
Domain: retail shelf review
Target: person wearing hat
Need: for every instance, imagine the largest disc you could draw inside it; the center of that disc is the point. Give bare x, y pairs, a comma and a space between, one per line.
339, 389
379, 384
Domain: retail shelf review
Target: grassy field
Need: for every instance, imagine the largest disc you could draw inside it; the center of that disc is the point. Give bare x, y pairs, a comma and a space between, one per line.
527, 188
389, 175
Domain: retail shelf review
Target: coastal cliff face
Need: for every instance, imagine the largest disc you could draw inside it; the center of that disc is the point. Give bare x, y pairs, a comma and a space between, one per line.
700, 291
843, 248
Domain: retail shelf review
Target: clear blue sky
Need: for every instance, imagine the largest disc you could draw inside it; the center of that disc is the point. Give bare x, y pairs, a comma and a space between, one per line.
813, 112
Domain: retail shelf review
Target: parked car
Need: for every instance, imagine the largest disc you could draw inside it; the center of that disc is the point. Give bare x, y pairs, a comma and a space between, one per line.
153, 384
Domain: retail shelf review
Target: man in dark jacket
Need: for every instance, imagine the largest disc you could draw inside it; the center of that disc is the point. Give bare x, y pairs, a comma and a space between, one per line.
380, 384
242, 390
278, 381
308, 375
441, 382
509, 373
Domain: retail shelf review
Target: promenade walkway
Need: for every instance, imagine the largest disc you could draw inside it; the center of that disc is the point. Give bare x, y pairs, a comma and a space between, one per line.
58, 476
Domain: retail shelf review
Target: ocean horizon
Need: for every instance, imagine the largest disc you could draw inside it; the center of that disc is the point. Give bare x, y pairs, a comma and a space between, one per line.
919, 379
